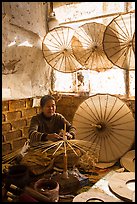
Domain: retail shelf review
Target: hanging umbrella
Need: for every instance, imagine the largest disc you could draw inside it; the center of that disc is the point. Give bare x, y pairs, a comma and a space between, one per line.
57, 50
106, 121
133, 42
87, 46
117, 41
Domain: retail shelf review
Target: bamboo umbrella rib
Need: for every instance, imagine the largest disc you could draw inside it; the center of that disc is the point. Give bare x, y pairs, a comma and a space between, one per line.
71, 56
129, 57
88, 39
128, 130
127, 137
118, 140
54, 58
91, 110
49, 45
83, 117
52, 146
100, 55
66, 63
62, 63
57, 62
130, 26
52, 54
109, 145
84, 56
67, 43
116, 112
58, 148
81, 147
118, 52
89, 136
87, 131
106, 154
125, 27
123, 53
89, 114
110, 133
55, 38
121, 28
125, 57
111, 109
72, 149
92, 56
116, 143
87, 28
117, 32
129, 51
123, 46
69, 59
85, 39
106, 108
75, 145
117, 124
100, 108
92, 137
46, 38
95, 109
62, 43
120, 117
90, 127
94, 34
114, 34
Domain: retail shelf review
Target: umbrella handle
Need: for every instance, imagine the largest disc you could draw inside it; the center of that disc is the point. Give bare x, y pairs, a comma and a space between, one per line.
98, 126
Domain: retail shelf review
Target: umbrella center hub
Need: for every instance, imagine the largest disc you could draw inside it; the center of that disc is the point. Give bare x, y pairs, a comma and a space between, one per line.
65, 51
101, 126
94, 47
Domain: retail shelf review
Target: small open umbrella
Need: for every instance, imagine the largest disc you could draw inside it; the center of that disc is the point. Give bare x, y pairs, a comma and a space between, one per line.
117, 41
57, 50
106, 121
88, 48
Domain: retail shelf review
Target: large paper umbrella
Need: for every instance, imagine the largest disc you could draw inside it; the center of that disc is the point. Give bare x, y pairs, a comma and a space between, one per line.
88, 48
117, 41
105, 121
57, 50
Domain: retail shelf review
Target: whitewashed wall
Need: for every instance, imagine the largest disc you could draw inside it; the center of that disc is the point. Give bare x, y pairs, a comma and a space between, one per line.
25, 72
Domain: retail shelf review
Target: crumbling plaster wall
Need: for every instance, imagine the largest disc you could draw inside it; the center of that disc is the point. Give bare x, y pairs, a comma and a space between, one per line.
25, 73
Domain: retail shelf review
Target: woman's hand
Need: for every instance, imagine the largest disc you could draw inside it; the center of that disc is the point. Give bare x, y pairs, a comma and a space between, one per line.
69, 136
53, 137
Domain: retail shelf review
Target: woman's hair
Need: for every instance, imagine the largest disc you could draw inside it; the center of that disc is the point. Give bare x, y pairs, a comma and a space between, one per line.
44, 100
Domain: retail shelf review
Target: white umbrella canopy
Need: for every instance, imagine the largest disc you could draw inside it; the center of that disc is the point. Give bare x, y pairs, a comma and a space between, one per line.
57, 50
117, 41
88, 48
107, 122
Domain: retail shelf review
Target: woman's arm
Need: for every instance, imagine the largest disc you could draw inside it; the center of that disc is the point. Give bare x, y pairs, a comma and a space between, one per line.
34, 134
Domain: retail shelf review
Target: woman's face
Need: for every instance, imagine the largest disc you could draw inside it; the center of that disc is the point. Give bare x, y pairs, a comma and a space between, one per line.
49, 108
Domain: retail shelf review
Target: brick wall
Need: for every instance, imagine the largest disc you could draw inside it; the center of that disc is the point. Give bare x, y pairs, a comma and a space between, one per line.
16, 116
